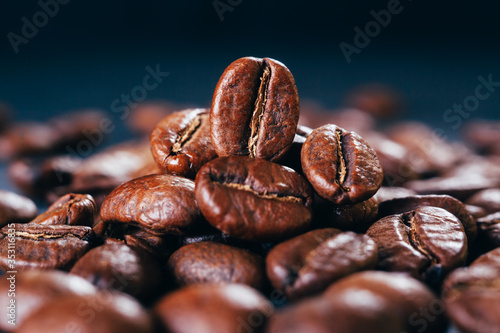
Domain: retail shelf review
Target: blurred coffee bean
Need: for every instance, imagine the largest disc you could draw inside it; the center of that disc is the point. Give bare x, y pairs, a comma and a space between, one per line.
43, 246
458, 187
428, 153
377, 99
34, 288
401, 298
471, 295
214, 308
15, 208
70, 209
426, 243
484, 135
489, 230
452, 205
113, 166
357, 217
123, 268
484, 167
307, 264
387, 193
292, 158
253, 199
255, 109
340, 165
144, 117
101, 312
475, 211
488, 199
209, 262
159, 204
181, 142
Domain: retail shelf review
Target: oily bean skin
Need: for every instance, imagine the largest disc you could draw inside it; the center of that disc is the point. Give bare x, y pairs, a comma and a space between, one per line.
454, 206
45, 246
255, 109
212, 308
209, 262
253, 199
121, 267
471, 295
489, 230
181, 142
15, 208
340, 165
427, 243
308, 263
159, 204
71, 209
35, 287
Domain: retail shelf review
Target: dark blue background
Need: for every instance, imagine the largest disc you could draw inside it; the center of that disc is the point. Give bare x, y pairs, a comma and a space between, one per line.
93, 51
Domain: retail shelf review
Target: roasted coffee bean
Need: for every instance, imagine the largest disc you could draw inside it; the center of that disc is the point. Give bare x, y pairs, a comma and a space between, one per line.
209, 262
255, 109
113, 166
426, 243
33, 289
397, 296
120, 267
181, 142
158, 204
452, 205
356, 217
309, 263
43, 246
15, 208
253, 199
488, 199
457, 187
379, 100
483, 135
214, 308
475, 211
109, 312
71, 209
388, 193
340, 165
471, 295
489, 230
160, 246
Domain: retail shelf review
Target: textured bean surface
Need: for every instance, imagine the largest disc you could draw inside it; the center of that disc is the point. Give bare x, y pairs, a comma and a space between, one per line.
340, 165
181, 142
71, 209
255, 109
159, 204
253, 199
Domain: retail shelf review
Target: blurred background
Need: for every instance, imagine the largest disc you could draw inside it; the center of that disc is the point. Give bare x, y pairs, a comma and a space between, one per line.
59, 56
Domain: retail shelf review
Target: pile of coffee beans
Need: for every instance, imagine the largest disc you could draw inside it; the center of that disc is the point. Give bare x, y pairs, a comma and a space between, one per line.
240, 218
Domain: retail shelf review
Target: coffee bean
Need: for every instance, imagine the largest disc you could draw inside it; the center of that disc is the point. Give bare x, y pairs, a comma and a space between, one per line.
34, 288
452, 205
253, 199
100, 312
120, 267
214, 308
471, 295
209, 262
15, 208
357, 217
158, 204
426, 243
71, 209
489, 231
181, 142
255, 109
483, 135
488, 199
146, 115
308, 263
43, 246
386, 193
340, 165
292, 158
